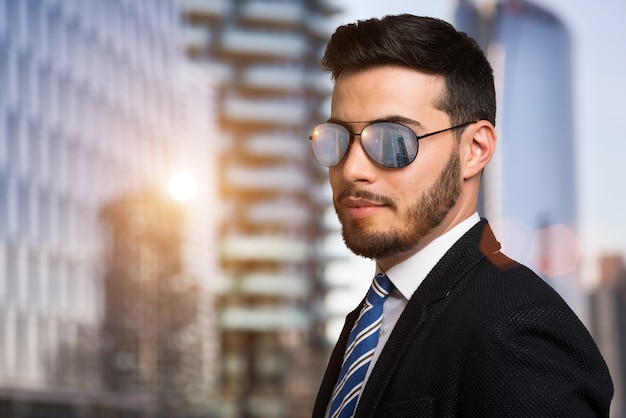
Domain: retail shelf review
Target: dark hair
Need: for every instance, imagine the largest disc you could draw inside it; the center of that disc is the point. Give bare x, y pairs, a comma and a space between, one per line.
425, 44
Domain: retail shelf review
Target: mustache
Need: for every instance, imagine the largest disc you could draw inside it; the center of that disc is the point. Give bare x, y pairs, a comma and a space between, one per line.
366, 195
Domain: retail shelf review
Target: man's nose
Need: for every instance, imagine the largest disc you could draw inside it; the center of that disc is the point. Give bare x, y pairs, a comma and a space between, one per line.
357, 165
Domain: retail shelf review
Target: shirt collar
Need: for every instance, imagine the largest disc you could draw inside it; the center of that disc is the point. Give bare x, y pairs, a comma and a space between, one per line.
409, 274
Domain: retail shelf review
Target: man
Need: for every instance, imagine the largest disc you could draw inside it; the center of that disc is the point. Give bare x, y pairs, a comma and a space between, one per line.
465, 330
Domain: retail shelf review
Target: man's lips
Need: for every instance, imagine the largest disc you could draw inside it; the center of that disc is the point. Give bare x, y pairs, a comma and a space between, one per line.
359, 208
359, 203
356, 203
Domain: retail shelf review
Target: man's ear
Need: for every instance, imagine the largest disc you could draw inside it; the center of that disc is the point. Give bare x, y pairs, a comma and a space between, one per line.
478, 144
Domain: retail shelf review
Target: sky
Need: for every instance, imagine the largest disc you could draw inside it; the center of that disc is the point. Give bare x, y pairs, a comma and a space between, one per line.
599, 67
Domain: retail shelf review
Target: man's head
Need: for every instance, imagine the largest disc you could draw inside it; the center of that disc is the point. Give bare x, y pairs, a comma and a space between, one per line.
425, 44
408, 178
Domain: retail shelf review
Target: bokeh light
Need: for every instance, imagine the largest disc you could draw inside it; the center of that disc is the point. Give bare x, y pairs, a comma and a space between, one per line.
555, 251
182, 186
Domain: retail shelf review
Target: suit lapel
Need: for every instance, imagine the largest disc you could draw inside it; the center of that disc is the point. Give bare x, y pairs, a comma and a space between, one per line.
477, 243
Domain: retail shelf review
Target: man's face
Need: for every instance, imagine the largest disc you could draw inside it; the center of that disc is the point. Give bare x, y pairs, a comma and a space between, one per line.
389, 214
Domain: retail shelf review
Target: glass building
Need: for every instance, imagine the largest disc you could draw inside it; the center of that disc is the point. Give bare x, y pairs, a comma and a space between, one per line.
116, 300
530, 186
91, 116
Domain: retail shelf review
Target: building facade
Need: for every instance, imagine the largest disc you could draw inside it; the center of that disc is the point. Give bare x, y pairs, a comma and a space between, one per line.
264, 55
89, 112
608, 313
530, 186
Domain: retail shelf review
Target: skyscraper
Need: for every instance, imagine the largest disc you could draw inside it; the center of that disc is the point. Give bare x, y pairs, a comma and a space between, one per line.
530, 187
89, 112
264, 56
608, 313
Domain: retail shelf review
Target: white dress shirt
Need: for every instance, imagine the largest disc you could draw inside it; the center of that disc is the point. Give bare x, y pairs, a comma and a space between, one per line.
409, 274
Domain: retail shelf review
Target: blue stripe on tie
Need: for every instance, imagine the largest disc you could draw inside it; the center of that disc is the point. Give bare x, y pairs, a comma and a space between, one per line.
360, 348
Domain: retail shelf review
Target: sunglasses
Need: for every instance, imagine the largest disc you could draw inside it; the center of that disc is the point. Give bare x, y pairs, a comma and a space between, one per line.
388, 144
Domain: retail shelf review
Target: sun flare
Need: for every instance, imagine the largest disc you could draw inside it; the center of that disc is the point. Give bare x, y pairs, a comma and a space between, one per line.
182, 186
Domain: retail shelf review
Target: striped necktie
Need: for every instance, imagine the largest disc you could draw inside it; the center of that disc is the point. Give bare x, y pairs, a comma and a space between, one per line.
361, 345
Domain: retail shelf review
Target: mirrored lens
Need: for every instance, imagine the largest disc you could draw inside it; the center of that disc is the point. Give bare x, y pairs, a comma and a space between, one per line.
390, 144
330, 143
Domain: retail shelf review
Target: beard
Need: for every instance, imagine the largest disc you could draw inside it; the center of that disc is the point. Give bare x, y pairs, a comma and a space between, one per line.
411, 226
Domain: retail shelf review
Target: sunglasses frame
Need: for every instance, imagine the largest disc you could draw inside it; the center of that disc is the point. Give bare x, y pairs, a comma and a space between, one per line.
352, 135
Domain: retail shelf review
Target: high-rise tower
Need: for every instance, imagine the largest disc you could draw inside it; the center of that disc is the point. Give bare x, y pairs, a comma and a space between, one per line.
90, 111
530, 186
264, 56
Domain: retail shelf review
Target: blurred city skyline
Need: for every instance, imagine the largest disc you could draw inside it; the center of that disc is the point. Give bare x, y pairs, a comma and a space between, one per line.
104, 297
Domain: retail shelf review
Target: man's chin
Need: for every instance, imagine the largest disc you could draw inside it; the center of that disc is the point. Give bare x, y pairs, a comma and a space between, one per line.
372, 225
372, 244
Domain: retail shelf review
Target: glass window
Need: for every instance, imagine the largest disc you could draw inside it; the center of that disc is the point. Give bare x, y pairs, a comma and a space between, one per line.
53, 221
12, 272
44, 162
45, 341
4, 66
35, 157
33, 214
12, 9
34, 12
12, 141
44, 283
58, 161
3, 339
4, 206
63, 228
31, 359
69, 226
11, 207
62, 178
10, 345
24, 210
21, 276
33, 285
3, 17
23, 79
3, 134
11, 79
63, 291
21, 345
52, 158
44, 86
50, 342
43, 217
3, 279
57, 289
52, 97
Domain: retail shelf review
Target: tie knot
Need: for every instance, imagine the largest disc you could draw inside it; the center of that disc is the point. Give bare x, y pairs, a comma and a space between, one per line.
381, 286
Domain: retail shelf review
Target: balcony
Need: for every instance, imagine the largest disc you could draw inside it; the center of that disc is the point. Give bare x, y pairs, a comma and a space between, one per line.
266, 248
218, 72
274, 78
278, 12
264, 319
263, 44
280, 179
286, 286
278, 212
206, 9
285, 112
284, 146
328, 7
195, 37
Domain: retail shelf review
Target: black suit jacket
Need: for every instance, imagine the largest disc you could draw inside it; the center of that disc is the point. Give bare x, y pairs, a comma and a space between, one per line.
482, 336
